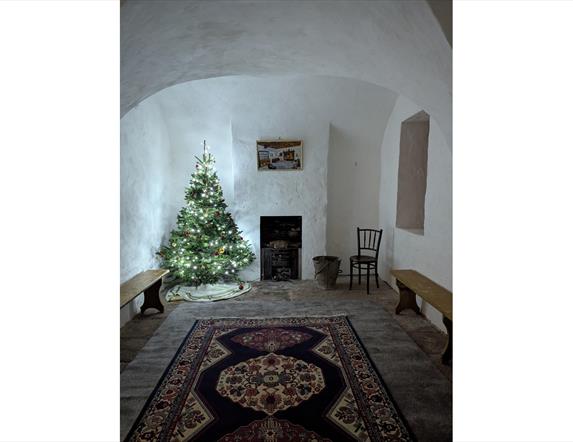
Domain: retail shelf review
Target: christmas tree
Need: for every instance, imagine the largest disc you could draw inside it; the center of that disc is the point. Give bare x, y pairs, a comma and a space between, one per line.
206, 246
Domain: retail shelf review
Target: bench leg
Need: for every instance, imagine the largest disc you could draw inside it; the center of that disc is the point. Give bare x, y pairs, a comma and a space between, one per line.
407, 299
447, 355
152, 299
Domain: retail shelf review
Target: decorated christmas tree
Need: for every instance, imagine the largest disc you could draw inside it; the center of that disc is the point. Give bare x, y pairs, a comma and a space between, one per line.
206, 246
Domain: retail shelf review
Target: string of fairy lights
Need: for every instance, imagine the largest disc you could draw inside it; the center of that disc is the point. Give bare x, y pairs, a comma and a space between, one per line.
206, 245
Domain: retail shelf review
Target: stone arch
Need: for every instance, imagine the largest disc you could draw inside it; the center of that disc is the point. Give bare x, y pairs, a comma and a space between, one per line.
396, 45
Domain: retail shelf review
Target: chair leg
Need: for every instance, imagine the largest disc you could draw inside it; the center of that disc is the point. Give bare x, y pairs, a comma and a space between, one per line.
351, 275
376, 270
359, 274
368, 279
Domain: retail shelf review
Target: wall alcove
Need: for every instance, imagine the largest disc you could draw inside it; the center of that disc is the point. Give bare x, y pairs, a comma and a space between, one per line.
412, 173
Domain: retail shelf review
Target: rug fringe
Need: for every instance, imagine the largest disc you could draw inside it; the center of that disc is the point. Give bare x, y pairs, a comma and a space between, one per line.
336, 315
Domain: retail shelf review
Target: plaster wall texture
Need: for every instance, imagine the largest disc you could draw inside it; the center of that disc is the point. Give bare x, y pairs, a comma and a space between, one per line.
353, 174
143, 213
232, 113
282, 193
194, 112
430, 253
395, 44
340, 121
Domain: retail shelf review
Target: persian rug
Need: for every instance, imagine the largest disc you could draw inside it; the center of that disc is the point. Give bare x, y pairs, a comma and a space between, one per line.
271, 380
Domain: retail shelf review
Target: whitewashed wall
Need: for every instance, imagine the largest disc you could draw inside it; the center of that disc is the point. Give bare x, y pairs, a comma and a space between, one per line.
340, 121
233, 112
430, 253
354, 169
193, 112
144, 170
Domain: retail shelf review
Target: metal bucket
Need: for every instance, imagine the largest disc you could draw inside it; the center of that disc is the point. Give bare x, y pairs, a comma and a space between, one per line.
326, 270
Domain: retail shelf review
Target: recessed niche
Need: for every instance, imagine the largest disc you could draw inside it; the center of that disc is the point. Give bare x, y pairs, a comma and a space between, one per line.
412, 173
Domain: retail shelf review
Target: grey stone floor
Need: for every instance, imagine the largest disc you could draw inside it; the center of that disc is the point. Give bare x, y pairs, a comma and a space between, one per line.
406, 348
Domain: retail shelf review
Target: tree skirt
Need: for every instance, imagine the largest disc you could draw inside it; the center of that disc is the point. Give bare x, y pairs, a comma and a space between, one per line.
206, 293
274, 380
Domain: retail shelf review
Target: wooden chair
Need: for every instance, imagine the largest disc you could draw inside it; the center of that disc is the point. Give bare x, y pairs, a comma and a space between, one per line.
368, 239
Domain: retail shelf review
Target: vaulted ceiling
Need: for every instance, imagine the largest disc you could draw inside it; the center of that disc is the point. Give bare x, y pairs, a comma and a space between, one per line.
395, 44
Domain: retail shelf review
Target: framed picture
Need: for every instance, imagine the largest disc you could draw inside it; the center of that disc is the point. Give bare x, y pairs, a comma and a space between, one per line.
279, 155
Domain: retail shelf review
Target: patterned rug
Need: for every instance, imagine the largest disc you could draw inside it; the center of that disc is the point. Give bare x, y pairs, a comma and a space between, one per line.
271, 380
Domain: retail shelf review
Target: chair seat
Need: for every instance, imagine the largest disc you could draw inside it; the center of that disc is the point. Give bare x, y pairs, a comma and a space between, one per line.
363, 258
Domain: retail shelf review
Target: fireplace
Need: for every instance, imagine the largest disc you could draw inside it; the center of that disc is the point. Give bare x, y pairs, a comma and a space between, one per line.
281, 242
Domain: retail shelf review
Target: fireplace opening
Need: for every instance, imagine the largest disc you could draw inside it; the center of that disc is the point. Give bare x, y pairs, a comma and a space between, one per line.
281, 243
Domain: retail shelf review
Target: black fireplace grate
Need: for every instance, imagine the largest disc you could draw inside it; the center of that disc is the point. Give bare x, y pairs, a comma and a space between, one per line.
281, 241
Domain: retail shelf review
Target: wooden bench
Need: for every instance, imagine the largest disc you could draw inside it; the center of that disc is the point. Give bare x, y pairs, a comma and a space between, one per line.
411, 283
148, 282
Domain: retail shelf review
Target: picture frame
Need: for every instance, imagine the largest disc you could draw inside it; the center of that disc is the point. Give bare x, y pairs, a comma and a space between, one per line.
279, 155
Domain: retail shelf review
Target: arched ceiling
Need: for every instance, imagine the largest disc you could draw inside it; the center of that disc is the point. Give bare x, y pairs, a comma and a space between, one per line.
395, 44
